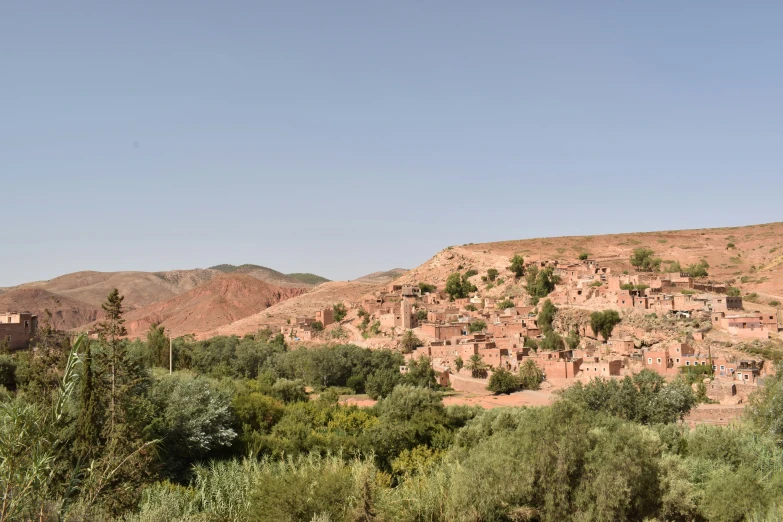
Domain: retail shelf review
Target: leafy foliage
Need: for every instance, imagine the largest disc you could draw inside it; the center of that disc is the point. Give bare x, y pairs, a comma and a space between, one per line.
603, 323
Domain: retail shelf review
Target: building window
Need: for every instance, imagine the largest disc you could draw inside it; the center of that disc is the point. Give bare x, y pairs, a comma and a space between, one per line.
658, 360
746, 376
687, 363
722, 367
649, 360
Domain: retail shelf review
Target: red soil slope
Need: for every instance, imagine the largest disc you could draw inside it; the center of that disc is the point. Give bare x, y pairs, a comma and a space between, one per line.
220, 301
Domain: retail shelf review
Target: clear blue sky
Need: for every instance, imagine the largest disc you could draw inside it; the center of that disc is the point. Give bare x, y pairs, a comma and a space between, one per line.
347, 137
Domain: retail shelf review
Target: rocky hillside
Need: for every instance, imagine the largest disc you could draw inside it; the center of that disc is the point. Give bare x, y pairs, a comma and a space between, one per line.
223, 300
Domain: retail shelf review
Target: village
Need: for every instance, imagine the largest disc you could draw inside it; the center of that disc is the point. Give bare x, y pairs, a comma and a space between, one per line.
667, 323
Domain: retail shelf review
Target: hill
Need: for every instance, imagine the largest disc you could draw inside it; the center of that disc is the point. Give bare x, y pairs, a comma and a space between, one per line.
750, 257
220, 301
380, 278
272, 276
66, 312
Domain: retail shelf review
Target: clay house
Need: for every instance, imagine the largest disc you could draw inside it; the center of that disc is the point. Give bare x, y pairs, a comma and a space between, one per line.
748, 372
659, 362
325, 316
746, 326
599, 368
405, 317
444, 378
17, 329
725, 303
443, 331
624, 346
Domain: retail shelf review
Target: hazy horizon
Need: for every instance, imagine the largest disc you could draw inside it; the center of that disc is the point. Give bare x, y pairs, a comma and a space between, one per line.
349, 138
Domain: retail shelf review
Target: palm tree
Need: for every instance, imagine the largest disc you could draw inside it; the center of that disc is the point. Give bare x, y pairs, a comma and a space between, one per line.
477, 367
530, 375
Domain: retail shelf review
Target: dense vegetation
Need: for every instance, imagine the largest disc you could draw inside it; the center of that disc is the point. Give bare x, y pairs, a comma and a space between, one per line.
249, 429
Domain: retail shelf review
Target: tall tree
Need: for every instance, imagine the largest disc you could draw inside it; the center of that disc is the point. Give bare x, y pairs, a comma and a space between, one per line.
90, 417
110, 332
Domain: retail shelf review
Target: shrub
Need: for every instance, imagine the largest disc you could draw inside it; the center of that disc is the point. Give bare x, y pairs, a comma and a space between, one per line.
505, 303
583, 256
492, 274
517, 266
730, 245
317, 326
477, 326
470, 307
427, 288
502, 381
733, 292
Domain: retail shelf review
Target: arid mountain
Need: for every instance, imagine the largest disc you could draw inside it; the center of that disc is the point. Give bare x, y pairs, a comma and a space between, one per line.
750, 258
139, 288
273, 276
222, 300
320, 297
380, 278
75, 299
66, 312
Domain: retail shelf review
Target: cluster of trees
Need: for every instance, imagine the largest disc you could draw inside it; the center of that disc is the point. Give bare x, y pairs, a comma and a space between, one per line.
458, 286
529, 377
602, 452
96, 430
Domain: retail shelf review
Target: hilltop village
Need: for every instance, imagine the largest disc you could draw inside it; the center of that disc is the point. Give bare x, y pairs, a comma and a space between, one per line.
576, 320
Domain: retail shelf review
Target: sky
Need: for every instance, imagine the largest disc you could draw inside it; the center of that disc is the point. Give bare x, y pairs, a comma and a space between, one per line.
347, 137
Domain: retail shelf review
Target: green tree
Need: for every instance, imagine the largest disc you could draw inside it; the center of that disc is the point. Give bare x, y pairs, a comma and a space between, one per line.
546, 316
643, 259
477, 326
698, 269
603, 323
552, 342
92, 415
454, 287
381, 383
110, 331
409, 342
477, 367
733, 292
427, 288
459, 363
340, 311
540, 283
572, 340
583, 256
317, 326
517, 266
158, 345
492, 274
502, 381
505, 303
530, 375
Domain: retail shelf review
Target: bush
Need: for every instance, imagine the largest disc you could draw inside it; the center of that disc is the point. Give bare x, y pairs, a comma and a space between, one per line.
502, 381
7, 372
517, 266
733, 292
477, 326
505, 303
470, 308
427, 288
290, 391
317, 326
583, 256
492, 274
